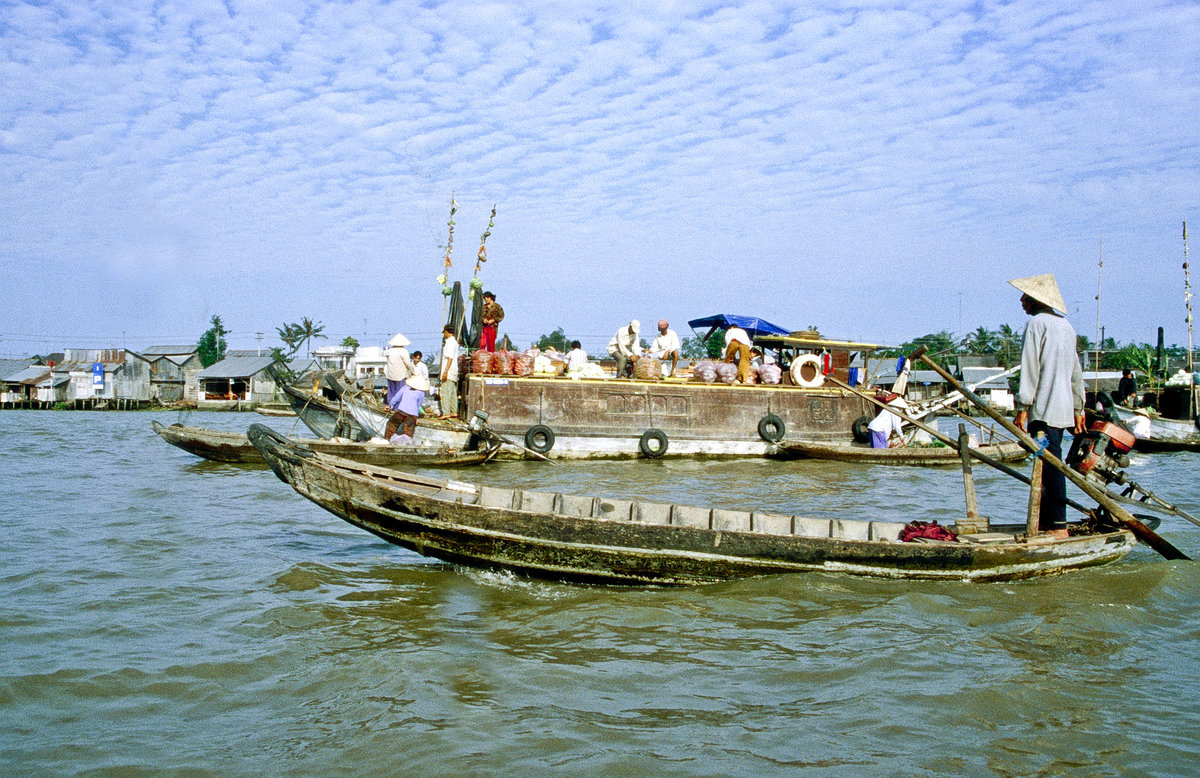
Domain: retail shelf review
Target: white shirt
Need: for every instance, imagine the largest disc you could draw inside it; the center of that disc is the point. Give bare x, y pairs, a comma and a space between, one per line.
421, 369
399, 365
736, 335
449, 354
664, 344
577, 359
888, 422
1051, 385
624, 342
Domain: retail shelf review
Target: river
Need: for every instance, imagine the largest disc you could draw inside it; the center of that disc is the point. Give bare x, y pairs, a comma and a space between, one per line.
162, 614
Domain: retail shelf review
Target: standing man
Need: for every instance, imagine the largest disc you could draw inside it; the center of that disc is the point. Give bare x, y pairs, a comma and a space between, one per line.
737, 343
625, 348
493, 314
397, 369
666, 345
1050, 397
448, 372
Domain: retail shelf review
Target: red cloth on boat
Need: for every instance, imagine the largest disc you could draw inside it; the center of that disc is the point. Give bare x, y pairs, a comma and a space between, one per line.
925, 529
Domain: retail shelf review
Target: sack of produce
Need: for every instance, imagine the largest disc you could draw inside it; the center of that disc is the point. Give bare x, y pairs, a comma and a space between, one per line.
647, 369
464, 365
502, 363
524, 364
770, 374
704, 371
726, 372
481, 362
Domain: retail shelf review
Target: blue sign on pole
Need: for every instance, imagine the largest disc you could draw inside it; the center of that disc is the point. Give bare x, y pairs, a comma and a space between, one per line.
98, 374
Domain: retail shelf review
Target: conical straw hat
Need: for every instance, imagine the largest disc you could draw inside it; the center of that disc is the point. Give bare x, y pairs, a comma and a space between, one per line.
1042, 288
399, 340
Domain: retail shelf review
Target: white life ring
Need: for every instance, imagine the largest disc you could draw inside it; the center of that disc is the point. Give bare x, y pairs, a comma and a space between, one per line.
798, 368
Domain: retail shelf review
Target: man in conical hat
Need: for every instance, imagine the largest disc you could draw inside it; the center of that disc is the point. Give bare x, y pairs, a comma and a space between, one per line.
1050, 397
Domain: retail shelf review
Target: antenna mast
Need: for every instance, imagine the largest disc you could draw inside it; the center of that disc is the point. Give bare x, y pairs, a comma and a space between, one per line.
1099, 332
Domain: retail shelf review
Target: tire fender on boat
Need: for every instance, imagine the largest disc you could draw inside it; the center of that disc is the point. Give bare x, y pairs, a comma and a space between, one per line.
771, 428
860, 431
653, 443
797, 371
539, 438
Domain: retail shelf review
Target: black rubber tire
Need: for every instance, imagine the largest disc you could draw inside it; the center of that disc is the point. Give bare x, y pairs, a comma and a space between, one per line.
653, 443
860, 431
771, 428
539, 438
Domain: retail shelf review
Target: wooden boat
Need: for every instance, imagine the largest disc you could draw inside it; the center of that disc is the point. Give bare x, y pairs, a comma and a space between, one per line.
1162, 433
1007, 451
267, 410
602, 540
220, 446
326, 419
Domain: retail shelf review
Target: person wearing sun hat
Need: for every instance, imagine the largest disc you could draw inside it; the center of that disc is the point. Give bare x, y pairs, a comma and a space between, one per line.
666, 345
397, 368
1050, 396
625, 348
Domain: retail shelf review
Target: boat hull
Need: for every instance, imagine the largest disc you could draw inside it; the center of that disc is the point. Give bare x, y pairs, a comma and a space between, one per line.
1163, 435
625, 542
917, 456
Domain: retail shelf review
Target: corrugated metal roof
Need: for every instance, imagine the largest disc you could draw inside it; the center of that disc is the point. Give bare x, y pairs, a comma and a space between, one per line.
244, 367
158, 351
31, 374
10, 367
973, 375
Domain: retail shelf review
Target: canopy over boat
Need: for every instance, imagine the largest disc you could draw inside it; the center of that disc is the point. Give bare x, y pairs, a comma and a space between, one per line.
753, 325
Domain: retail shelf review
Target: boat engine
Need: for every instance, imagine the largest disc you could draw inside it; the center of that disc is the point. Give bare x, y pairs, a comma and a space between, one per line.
1099, 453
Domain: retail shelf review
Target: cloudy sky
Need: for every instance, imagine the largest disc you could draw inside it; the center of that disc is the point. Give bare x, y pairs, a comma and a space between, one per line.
876, 169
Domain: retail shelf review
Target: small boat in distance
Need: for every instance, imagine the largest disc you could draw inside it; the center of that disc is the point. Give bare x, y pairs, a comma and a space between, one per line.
620, 541
235, 447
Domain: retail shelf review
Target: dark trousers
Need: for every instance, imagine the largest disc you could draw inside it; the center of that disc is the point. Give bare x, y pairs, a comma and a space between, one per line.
1054, 484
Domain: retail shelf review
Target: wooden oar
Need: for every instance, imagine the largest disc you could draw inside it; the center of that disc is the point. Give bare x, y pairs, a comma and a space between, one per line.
1122, 516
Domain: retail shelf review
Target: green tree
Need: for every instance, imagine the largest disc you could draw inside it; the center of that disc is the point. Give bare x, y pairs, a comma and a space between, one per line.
981, 341
936, 344
694, 348
309, 330
350, 342
291, 336
1008, 345
211, 347
555, 340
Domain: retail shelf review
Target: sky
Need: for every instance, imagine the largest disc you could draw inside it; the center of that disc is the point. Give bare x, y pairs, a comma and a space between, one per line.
875, 169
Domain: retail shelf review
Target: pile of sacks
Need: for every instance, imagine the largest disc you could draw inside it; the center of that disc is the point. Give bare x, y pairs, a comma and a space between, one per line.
726, 372
648, 369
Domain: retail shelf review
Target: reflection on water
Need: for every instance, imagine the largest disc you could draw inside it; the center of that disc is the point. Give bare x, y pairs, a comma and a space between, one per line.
160, 612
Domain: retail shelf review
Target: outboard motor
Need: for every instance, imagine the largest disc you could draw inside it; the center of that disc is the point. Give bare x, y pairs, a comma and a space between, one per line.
1099, 453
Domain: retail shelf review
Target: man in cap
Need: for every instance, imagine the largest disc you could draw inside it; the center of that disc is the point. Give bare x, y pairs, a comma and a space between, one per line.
626, 348
1050, 397
666, 345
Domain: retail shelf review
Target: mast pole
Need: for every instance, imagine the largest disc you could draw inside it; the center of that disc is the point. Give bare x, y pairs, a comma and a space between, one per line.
1099, 331
1187, 299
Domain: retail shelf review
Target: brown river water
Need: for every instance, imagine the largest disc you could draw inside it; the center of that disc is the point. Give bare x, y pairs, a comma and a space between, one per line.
162, 614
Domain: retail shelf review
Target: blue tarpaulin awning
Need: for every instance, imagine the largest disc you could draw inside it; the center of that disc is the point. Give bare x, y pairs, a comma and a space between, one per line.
753, 325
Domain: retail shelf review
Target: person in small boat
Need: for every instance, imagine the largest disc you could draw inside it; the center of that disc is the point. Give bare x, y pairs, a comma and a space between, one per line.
666, 345
448, 373
1050, 398
1126, 389
577, 358
888, 424
493, 314
738, 344
402, 426
625, 348
397, 368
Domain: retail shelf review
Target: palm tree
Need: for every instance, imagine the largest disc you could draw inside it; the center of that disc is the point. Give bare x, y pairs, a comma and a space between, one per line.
309, 330
981, 341
1008, 345
291, 336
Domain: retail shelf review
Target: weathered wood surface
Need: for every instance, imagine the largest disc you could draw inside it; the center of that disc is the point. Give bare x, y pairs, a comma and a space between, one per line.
235, 447
563, 536
905, 455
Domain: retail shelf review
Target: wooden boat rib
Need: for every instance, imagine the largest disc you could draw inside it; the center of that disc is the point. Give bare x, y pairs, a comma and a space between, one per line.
1007, 451
235, 447
602, 540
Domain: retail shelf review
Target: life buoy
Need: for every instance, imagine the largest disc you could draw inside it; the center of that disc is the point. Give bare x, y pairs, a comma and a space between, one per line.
771, 428
862, 434
539, 438
653, 443
814, 364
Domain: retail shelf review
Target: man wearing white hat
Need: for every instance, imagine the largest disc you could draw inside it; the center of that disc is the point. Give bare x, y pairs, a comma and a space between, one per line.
397, 368
1050, 397
626, 348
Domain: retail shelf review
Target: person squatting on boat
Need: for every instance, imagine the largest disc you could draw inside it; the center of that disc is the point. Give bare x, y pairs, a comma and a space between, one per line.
1126, 389
738, 343
1050, 397
666, 345
493, 314
887, 424
577, 358
448, 373
408, 407
625, 348
397, 368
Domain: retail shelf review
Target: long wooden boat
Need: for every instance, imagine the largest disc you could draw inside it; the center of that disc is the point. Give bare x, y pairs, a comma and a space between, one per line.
220, 446
1162, 434
326, 419
1007, 451
603, 540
